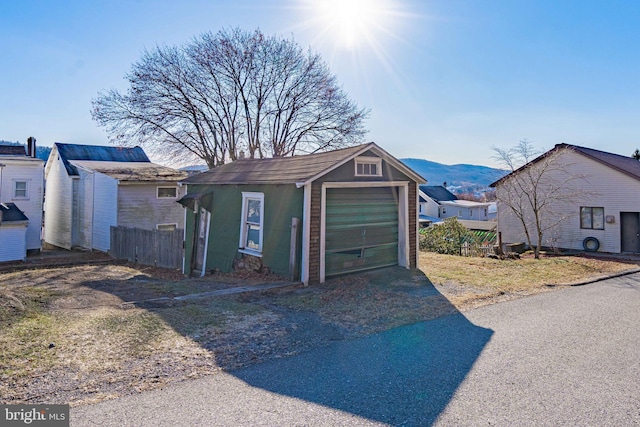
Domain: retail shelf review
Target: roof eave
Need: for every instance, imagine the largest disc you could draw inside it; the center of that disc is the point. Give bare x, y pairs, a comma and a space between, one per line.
366, 147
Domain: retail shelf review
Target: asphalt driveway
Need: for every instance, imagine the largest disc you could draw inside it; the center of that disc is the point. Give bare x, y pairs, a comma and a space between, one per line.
570, 357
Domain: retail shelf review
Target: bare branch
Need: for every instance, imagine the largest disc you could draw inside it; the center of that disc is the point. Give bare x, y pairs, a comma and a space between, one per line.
228, 92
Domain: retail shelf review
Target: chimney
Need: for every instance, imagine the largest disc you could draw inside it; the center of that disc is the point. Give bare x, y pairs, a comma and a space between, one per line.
31, 147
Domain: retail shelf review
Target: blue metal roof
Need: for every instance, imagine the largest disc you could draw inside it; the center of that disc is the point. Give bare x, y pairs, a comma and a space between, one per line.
98, 152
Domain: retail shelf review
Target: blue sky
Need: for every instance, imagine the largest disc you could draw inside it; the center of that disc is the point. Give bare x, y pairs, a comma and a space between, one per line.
444, 80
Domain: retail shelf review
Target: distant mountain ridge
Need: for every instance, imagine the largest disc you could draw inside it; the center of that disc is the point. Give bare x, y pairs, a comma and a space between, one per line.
461, 178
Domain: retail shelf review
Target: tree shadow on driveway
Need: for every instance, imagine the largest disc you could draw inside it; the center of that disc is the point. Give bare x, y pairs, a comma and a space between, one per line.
403, 376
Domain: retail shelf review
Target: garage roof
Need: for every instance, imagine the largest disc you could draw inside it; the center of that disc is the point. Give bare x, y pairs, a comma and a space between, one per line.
298, 170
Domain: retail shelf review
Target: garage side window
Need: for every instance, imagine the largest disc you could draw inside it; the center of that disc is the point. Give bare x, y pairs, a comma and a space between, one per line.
592, 218
252, 223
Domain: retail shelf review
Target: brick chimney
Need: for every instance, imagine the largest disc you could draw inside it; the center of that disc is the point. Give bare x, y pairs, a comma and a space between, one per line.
31, 147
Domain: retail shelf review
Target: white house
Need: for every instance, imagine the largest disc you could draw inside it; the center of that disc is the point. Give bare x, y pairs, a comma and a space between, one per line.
91, 188
21, 190
438, 203
13, 233
600, 210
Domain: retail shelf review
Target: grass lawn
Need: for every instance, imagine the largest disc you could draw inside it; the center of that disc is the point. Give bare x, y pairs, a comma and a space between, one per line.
517, 274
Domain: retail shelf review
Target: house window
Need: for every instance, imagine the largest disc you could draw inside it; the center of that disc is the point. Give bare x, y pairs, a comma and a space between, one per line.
20, 189
167, 227
368, 166
252, 225
592, 218
167, 192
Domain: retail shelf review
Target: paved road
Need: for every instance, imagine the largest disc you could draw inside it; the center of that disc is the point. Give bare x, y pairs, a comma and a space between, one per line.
570, 357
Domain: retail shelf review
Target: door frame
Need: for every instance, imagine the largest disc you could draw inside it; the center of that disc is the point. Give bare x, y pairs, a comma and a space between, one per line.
196, 232
403, 217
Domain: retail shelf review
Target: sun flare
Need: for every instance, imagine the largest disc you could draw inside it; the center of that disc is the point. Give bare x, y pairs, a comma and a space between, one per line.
359, 37
352, 23
350, 20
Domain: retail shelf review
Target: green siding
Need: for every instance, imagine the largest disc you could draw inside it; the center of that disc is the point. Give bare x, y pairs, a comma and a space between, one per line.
346, 173
361, 229
281, 203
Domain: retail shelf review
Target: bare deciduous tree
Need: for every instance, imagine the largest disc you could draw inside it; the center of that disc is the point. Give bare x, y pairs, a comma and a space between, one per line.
229, 93
537, 190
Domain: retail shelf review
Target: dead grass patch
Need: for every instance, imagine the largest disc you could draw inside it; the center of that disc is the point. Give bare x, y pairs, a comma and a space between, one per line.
469, 282
516, 275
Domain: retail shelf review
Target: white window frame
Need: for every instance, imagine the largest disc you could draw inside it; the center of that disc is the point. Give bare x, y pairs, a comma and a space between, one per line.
368, 161
26, 189
244, 224
165, 187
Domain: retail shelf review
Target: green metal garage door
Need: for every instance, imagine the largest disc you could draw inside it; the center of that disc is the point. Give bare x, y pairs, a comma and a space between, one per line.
361, 229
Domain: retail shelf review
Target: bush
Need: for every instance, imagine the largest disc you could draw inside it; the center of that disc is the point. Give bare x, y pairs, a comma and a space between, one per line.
445, 238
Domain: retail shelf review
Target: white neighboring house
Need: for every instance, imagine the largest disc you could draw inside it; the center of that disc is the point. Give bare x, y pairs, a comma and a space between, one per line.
605, 214
438, 203
91, 188
21, 193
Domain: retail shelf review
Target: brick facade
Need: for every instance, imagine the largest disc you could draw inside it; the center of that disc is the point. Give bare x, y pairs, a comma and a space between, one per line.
314, 241
413, 226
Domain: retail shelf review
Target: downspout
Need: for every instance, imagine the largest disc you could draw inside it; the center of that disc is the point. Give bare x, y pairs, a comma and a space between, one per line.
306, 234
206, 244
184, 233
93, 211
2, 165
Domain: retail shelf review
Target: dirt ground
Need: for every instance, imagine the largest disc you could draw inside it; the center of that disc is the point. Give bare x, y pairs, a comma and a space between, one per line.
100, 329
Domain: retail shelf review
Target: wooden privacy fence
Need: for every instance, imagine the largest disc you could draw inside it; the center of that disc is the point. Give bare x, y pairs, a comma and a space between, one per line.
148, 247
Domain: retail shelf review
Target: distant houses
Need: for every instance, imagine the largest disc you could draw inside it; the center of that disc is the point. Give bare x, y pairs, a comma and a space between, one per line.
437, 203
92, 188
21, 195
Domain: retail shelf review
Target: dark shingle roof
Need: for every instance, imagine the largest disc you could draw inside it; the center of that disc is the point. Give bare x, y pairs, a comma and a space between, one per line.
624, 164
277, 170
627, 165
98, 152
10, 213
13, 150
288, 170
438, 193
